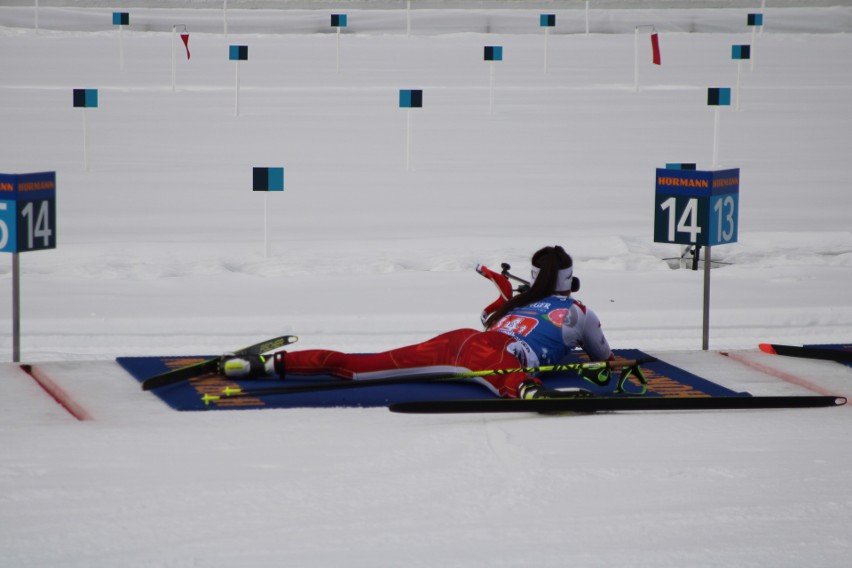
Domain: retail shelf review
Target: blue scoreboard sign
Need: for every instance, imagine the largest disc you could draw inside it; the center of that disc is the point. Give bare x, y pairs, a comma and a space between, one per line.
693, 207
27, 212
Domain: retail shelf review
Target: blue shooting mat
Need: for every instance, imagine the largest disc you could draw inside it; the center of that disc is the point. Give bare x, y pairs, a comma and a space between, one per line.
663, 378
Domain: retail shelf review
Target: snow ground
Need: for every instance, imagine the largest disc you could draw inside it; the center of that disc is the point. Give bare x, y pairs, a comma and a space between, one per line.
161, 252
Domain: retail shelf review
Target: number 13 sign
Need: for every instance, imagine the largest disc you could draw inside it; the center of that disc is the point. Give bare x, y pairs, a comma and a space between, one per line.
27, 212
696, 207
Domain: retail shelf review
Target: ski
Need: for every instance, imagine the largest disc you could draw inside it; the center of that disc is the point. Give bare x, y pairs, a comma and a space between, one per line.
211, 365
614, 404
838, 355
629, 368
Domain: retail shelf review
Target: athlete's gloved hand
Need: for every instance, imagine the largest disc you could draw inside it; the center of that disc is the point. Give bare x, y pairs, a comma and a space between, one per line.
504, 286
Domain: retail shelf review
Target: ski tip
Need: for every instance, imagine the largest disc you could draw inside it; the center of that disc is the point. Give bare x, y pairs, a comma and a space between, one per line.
149, 386
767, 348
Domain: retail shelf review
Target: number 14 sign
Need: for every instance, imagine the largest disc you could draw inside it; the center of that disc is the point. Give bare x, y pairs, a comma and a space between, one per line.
27, 212
696, 207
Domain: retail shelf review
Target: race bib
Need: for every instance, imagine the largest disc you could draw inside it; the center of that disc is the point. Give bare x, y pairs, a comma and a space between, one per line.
517, 325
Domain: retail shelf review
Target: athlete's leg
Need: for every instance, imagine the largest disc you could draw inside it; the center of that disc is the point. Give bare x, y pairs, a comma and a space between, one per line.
438, 353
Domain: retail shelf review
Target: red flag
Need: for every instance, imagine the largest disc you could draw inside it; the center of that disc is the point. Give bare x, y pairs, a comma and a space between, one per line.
185, 38
655, 46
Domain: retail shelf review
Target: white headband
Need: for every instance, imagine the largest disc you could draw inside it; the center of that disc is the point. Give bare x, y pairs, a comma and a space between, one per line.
564, 278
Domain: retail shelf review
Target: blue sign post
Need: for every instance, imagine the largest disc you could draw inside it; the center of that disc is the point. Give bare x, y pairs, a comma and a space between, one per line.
237, 53
717, 97
339, 21
492, 53
740, 53
27, 223
120, 19
85, 99
546, 21
409, 99
698, 209
266, 180
754, 21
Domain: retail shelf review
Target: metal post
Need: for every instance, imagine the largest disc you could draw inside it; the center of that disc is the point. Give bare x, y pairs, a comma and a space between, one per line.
705, 345
16, 308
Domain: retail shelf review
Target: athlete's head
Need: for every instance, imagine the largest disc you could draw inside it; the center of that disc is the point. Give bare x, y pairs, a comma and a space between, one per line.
553, 271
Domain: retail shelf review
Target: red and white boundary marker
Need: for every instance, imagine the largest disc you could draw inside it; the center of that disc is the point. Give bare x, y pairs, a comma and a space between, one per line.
57, 393
783, 375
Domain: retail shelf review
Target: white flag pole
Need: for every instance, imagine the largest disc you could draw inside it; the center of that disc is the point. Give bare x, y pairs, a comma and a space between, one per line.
753, 42
491, 88
85, 141
636, 53
266, 224
237, 90
408, 141
716, 136
338, 49
739, 73
636, 59
174, 65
